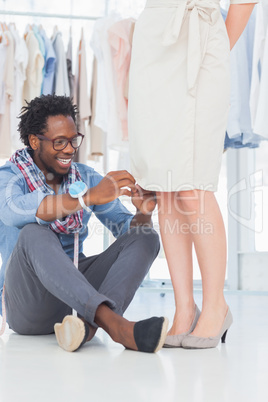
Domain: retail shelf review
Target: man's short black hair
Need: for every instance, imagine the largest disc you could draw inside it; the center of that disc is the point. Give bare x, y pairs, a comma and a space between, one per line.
33, 117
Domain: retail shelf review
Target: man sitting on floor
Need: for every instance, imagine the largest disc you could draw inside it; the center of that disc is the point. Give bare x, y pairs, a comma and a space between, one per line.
46, 201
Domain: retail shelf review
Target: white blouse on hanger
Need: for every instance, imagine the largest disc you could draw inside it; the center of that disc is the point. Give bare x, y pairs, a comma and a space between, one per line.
61, 82
107, 114
3, 51
20, 65
82, 99
8, 78
259, 92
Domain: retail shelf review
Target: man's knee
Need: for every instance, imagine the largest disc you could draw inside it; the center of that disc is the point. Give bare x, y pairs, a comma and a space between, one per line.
32, 232
148, 238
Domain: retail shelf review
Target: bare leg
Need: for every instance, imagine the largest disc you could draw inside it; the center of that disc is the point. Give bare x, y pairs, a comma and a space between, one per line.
202, 208
119, 329
177, 244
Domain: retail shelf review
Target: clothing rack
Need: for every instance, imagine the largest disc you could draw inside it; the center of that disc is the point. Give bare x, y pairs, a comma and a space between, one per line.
47, 15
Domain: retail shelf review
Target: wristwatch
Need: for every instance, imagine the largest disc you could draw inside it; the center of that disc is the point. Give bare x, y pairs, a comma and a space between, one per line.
77, 190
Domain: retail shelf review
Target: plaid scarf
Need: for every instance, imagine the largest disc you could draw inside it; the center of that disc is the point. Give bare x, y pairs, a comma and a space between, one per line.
23, 160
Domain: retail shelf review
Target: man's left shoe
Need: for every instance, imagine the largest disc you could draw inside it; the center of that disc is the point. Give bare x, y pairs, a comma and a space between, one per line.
72, 333
150, 334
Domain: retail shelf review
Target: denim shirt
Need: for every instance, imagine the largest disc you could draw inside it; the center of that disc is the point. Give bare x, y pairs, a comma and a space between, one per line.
18, 207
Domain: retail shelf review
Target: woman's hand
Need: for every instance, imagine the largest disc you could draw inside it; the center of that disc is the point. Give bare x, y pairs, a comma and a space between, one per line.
143, 200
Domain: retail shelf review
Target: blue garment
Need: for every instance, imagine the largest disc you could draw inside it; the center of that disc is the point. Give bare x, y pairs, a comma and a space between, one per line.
40, 40
49, 66
18, 207
239, 128
239, 142
41, 44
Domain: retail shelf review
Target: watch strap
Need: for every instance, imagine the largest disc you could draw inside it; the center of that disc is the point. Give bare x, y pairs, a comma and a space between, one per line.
83, 205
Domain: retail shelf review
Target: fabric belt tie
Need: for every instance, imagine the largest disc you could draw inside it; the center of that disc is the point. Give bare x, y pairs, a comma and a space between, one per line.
199, 10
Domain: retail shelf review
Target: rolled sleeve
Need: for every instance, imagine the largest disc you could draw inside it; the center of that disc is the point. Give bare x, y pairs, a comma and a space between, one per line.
17, 205
114, 215
41, 222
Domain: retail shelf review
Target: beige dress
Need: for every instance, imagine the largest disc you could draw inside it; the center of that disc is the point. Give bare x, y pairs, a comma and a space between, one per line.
34, 77
179, 95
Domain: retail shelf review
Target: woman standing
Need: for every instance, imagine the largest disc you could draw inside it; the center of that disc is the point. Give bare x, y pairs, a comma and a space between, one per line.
178, 107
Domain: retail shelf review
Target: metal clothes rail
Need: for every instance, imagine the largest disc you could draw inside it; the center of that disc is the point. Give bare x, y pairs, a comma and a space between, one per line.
47, 15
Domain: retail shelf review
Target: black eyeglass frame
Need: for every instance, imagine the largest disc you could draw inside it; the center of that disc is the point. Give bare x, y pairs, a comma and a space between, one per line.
43, 137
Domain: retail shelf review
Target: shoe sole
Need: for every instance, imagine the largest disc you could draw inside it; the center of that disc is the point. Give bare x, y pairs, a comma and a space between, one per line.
70, 333
162, 335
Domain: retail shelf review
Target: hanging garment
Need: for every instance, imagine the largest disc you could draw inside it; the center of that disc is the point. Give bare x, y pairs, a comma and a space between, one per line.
61, 83
241, 141
120, 38
179, 95
8, 79
41, 43
107, 114
20, 65
81, 99
97, 136
239, 127
258, 53
69, 59
49, 66
3, 54
34, 75
261, 116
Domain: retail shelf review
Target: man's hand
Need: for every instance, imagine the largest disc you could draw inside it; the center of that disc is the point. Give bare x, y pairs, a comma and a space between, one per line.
112, 186
143, 200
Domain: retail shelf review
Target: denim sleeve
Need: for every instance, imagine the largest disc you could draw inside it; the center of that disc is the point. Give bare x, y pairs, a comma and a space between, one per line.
114, 215
17, 206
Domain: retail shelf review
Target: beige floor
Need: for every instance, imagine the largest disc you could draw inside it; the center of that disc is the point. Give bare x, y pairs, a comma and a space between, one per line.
35, 369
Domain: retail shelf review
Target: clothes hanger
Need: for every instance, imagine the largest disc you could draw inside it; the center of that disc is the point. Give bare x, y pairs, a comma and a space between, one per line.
55, 31
3, 28
27, 30
12, 25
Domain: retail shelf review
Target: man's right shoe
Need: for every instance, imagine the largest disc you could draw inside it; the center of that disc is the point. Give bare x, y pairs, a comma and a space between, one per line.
150, 334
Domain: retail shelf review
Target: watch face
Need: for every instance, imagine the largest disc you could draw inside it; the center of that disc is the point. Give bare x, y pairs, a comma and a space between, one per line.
77, 189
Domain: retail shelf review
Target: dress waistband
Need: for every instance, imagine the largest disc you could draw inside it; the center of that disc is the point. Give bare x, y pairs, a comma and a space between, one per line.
206, 10
175, 3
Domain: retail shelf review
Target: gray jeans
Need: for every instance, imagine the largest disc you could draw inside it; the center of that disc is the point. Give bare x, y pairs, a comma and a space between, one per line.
43, 285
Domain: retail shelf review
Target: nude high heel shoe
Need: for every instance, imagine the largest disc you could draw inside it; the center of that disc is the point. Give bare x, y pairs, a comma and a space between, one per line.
175, 341
196, 342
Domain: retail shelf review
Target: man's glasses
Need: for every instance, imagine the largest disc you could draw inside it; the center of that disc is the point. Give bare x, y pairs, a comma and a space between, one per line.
60, 143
